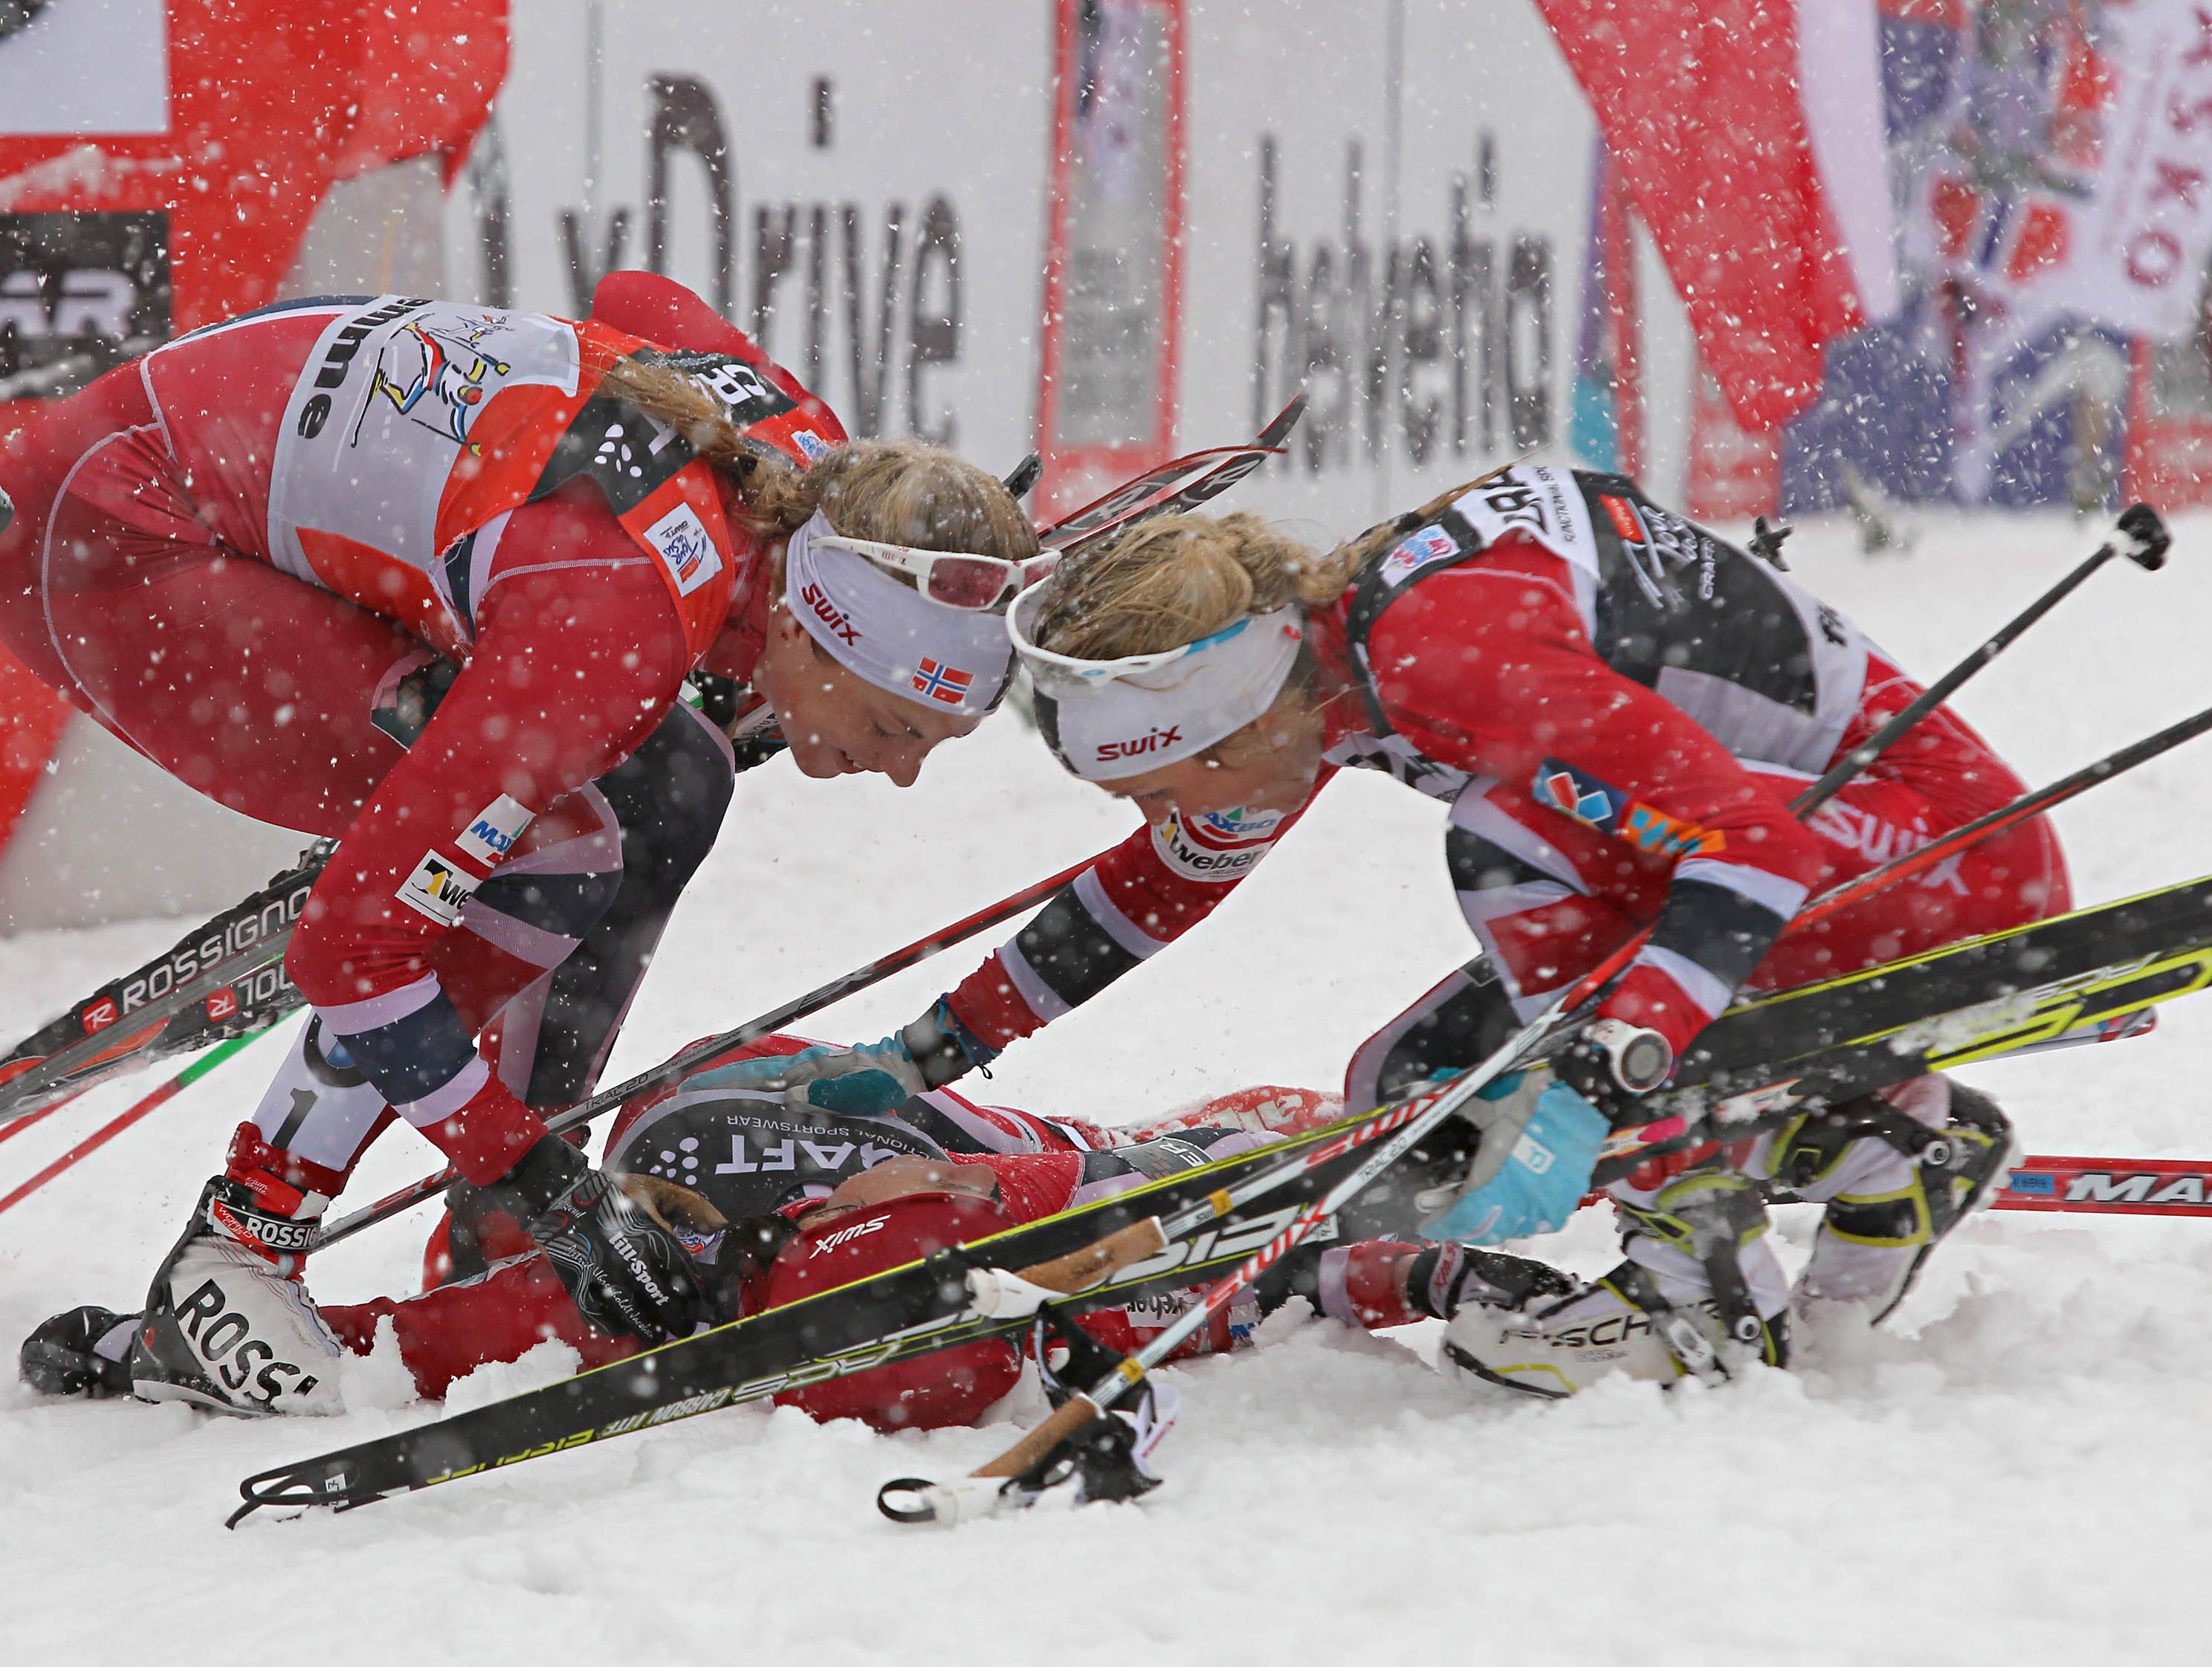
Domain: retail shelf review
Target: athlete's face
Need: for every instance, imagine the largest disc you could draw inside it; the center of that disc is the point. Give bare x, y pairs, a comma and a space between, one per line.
842, 724
1271, 766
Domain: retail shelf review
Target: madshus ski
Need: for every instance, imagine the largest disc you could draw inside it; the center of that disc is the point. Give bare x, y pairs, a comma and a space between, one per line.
1823, 1043
225, 979
2110, 1186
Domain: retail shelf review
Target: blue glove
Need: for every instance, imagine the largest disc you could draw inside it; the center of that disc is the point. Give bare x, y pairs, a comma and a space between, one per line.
873, 1080
1542, 1177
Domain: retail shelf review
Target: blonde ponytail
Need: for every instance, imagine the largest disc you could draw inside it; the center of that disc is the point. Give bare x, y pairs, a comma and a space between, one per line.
895, 492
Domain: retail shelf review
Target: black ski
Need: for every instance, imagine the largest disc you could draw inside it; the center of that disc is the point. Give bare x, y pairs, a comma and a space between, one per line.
1758, 1065
225, 979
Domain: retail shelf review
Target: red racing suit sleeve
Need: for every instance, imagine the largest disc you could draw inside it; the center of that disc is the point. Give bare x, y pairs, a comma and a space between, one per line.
1602, 789
579, 654
1120, 912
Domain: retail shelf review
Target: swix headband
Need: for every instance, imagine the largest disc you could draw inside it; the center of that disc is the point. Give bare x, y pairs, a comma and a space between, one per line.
1107, 719
948, 659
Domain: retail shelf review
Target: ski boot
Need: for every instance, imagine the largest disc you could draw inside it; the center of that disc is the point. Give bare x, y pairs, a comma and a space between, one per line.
86, 1351
1685, 1304
228, 1325
1888, 1208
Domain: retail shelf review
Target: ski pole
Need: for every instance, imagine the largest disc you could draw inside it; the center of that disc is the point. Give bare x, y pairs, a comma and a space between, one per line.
2141, 537
677, 1066
151, 1103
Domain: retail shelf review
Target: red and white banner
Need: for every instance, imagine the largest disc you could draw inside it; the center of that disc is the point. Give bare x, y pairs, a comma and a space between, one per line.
1750, 134
2100, 205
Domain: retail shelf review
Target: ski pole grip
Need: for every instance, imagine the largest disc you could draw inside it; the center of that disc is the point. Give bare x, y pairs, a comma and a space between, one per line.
1078, 1271
2144, 537
1072, 1414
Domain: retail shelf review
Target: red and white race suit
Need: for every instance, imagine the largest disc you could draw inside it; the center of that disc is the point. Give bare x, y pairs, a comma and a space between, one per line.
1618, 706
257, 554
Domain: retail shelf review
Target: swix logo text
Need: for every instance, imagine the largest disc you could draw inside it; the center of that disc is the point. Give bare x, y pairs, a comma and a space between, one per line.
828, 613
1157, 741
846, 1235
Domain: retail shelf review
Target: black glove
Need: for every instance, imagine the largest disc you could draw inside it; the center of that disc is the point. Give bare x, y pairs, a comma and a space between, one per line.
628, 1272
1612, 1064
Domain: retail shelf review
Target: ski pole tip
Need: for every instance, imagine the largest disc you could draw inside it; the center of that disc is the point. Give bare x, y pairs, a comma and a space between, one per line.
2146, 539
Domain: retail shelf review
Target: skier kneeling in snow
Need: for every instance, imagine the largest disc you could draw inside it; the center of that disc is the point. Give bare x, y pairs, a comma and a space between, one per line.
1618, 707
775, 1204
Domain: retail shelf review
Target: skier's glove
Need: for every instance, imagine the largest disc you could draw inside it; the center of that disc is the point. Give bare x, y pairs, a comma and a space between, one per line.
1540, 1140
871, 1081
626, 1269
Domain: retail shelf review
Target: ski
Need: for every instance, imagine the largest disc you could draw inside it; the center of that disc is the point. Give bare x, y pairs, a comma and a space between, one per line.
1821, 1043
224, 981
1170, 489
2112, 1187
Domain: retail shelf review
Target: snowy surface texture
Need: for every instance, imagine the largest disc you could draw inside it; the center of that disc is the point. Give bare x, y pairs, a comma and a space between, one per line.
2007, 1473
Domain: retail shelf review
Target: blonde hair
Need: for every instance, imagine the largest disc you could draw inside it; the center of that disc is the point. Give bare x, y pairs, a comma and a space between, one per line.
1179, 577
895, 492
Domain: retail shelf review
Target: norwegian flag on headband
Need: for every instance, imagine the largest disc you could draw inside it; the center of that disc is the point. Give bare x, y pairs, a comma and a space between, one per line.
943, 683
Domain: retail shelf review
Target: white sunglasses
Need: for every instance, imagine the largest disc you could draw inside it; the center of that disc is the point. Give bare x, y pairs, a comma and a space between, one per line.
955, 578
1064, 674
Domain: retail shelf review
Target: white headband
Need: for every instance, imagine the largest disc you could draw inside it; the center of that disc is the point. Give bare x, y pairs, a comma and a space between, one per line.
949, 659
1106, 719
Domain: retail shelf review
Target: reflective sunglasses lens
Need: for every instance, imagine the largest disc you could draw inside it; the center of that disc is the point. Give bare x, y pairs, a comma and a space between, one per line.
966, 581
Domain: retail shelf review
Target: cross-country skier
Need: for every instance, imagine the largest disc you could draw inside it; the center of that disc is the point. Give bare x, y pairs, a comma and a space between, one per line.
429, 578
778, 1203
1618, 706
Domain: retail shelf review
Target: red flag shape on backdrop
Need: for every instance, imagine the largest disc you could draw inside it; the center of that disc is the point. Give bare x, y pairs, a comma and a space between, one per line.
1701, 103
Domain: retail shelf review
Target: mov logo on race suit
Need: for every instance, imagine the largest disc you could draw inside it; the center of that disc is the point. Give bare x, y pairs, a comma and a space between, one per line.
1560, 787
79, 294
1217, 847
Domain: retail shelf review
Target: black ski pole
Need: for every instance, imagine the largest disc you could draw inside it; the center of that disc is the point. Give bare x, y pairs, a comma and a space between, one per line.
2141, 537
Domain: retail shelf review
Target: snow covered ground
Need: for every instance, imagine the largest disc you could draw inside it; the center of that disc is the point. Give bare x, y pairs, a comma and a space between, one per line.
2010, 1473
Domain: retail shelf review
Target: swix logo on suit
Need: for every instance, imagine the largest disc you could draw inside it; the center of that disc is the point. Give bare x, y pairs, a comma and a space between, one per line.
1155, 741
1560, 787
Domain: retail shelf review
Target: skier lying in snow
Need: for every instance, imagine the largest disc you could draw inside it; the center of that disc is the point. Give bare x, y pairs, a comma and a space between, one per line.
1618, 707
428, 579
778, 1203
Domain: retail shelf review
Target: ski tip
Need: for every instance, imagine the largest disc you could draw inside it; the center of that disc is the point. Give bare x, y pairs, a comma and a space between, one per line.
2147, 538
6, 511
1024, 475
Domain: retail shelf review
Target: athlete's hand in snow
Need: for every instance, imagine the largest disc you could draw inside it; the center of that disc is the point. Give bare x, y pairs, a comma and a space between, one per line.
870, 1080
627, 1271
1540, 1139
